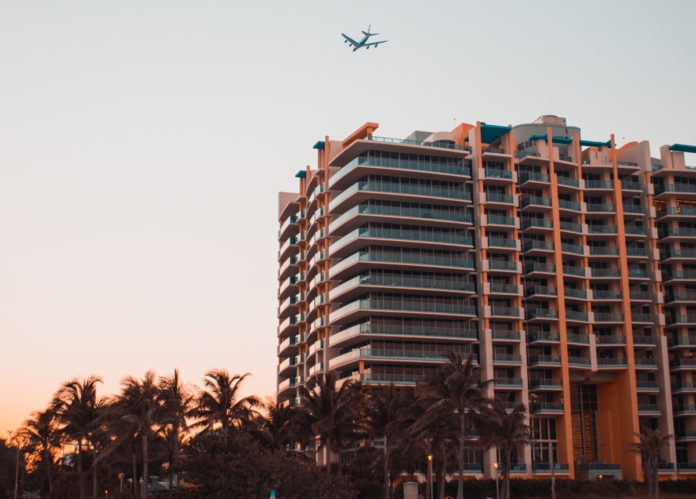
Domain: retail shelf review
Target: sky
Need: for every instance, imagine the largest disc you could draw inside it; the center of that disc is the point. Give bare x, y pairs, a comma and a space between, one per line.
143, 145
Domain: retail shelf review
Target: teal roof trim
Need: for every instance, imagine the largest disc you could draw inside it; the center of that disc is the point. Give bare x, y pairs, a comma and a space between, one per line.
594, 143
301, 174
557, 140
491, 133
320, 145
682, 148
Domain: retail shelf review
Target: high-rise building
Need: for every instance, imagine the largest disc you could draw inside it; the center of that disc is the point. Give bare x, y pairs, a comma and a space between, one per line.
566, 266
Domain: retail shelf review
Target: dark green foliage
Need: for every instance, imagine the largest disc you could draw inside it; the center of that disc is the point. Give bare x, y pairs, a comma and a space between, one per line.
240, 468
364, 473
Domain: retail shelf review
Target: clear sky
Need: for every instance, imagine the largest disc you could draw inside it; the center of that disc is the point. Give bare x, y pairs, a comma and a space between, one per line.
143, 144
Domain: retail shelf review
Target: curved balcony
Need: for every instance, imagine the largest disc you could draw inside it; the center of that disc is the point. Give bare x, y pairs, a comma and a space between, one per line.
455, 285
363, 190
363, 236
372, 162
432, 215
456, 330
407, 307
406, 258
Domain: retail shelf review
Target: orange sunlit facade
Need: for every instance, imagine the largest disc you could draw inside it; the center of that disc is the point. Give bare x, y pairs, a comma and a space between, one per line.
566, 266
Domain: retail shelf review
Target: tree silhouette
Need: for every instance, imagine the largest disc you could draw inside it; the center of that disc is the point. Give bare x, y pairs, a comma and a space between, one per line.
649, 445
141, 409
332, 410
176, 402
218, 406
505, 431
454, 394
77, 408
43, 438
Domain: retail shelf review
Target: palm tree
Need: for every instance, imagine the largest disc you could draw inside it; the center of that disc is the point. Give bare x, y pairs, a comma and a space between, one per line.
331, 410
455, 392
387, 407
649, 445
77, 408
505, 431
282, 426
141, 409
42, 436
218, 406
177, 401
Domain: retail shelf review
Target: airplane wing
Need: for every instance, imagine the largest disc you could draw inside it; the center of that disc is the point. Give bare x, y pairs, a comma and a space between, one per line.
349, 40
374, 44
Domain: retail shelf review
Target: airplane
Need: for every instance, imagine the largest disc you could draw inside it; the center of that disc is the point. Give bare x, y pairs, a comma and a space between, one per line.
363, 43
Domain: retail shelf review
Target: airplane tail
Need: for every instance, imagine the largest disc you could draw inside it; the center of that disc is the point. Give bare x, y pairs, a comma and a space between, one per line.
367, 33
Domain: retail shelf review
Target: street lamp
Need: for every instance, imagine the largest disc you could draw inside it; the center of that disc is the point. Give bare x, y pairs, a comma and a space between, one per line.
497, 474
430, 476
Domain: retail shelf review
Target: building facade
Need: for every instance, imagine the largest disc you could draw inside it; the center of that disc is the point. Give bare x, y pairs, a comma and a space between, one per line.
566, 266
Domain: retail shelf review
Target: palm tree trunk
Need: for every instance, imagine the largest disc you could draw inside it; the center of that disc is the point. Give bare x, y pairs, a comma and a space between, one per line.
442, 470
48, 460
387, 481
460, 456
507, 453
146, 471
134, 457
80, 476
94, 477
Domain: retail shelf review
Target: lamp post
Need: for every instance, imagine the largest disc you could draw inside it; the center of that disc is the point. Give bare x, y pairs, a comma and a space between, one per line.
430, 477
497, 474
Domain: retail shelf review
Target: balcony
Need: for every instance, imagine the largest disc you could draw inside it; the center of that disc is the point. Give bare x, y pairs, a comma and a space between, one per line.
687, 363
568, 182
682, 342
535, 224
541, 314
681, 320
576, 361
533, 178
507, 382
540, 291
644, 363
578, 339
544, 337
610, 339
503, 335
535, 247
536, 201
544, 361
599, 184
611, 362
546, 408
539, 268
609, 318
546, 384
507, 358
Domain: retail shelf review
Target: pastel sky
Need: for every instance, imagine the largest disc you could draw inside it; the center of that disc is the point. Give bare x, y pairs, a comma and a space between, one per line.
143, 144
